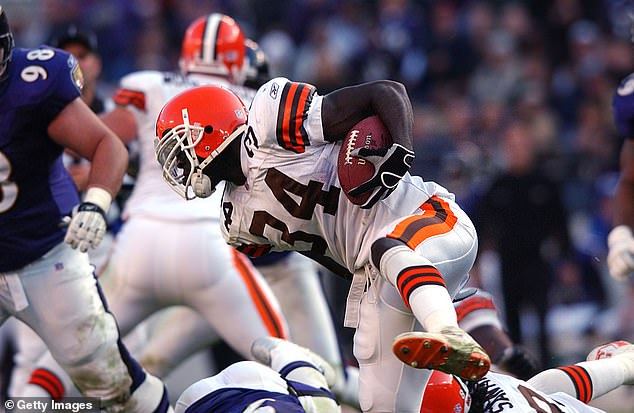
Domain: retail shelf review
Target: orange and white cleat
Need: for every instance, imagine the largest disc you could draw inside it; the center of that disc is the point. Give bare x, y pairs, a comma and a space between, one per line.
451, 351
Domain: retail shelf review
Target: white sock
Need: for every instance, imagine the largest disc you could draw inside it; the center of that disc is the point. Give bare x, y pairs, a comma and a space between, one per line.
586, 380
431, 303
433, 308
627, 362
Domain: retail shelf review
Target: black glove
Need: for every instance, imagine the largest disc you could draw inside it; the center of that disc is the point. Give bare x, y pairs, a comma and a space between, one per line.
519, 362
390, 165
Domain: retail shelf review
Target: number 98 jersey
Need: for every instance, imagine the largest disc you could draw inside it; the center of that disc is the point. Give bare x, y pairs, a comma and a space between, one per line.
292, 199
35, 189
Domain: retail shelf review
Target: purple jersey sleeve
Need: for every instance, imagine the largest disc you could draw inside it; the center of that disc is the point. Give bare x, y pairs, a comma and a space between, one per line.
623, 107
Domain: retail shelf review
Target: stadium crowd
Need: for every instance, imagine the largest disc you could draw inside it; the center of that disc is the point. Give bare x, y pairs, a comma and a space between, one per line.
473, 69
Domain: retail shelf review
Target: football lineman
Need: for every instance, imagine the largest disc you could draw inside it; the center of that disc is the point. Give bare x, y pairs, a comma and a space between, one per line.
410, 246
47, 280
620, 239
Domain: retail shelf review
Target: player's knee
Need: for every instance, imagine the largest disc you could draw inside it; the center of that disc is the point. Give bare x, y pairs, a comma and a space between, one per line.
380, 247
90, 337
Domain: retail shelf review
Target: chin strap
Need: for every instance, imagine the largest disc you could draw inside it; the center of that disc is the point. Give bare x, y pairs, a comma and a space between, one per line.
201, 184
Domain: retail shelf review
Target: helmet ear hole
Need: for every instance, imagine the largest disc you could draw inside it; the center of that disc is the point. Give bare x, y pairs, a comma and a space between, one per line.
209, 129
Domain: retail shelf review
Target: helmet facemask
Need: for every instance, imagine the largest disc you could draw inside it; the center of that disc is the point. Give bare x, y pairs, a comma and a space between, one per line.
176, 152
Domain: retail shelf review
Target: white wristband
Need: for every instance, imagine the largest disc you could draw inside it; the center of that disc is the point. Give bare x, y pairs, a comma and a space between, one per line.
99, 197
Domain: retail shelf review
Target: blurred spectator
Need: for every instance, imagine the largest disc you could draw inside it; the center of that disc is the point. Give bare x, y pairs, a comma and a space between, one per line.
519, 216
82, 44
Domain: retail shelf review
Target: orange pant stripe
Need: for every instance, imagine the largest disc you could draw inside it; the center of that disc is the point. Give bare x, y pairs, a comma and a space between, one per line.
436, 219
265, 309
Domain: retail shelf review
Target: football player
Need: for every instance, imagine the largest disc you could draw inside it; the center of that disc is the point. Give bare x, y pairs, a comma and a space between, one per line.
142, 272
410, 244
306, 309
145, 271
563, 389
290, 379
47, 279
620, 239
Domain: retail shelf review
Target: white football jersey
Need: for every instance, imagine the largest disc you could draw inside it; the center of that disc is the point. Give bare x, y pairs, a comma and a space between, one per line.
292, 199
508, 394
144, 93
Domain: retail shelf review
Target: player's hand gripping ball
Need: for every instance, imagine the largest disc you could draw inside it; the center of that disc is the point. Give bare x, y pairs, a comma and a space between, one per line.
370, 164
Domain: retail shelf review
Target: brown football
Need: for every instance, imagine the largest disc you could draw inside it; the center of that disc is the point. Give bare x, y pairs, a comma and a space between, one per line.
369, 133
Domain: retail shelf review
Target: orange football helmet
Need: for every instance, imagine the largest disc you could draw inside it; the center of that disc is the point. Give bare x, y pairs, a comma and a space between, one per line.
445, 393
192, 129
214, 44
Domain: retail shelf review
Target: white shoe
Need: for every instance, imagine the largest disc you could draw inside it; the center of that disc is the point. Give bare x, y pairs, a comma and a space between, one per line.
451, 351
278, 353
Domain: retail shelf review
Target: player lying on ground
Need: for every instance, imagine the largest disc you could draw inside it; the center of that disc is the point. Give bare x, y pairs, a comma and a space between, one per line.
296, 380
566, 389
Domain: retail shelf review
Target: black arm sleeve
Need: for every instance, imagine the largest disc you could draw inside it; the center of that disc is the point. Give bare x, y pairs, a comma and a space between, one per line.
344, 107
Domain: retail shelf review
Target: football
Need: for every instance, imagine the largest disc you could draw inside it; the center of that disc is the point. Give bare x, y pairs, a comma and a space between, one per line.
368, 133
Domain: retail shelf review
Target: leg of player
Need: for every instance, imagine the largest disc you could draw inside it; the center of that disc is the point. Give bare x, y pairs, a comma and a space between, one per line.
82, 334
308, 315
243, 298
30, 348
385, 384
427, 258
607, 367
161, 353
298, 364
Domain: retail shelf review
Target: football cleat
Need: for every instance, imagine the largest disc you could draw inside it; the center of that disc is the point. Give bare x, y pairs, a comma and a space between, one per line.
451, 351
278, 353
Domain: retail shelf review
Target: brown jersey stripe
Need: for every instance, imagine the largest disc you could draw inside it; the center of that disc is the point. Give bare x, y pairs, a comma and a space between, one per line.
411, 278
437, 219
293, 109
125, 97
581, 381
301, 112
268, 314
49, 382
254, 250
472, 304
